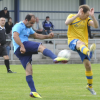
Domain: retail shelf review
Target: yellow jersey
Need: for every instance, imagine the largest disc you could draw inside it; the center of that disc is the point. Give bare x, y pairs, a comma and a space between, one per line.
78, 29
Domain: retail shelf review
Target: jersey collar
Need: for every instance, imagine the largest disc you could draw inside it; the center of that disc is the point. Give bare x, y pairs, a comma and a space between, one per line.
2, 27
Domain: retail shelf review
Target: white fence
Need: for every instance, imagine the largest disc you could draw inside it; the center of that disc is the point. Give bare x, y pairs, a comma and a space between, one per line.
59, 44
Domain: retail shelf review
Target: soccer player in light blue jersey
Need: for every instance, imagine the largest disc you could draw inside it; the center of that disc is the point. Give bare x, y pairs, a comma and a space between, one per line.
24, 49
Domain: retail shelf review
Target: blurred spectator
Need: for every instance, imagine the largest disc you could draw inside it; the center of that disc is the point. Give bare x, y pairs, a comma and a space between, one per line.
16, 22
99, 19
37, 26
48, 27
8, 27
4, 13
3, 52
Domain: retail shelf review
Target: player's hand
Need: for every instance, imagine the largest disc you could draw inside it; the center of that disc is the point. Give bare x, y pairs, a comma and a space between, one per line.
91, 13
51, 35
22, 50
79, 12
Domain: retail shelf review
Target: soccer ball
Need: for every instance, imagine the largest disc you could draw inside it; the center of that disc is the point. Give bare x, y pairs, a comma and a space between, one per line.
65, 54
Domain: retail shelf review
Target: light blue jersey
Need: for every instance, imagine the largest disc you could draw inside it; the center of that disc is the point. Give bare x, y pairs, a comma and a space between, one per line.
23, 31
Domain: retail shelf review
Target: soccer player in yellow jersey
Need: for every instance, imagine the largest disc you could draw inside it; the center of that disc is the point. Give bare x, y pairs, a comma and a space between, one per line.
78, 38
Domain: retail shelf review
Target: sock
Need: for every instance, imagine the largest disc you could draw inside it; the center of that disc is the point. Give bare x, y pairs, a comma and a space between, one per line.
48, 53
7, 64
84, 49
30, 82
89, 76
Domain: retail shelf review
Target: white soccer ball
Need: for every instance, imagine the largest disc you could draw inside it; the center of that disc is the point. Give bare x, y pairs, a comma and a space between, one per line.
65, 53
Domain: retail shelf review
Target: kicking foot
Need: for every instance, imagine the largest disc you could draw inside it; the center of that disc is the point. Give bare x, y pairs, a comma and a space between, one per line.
60, 59
92, 49
35, 95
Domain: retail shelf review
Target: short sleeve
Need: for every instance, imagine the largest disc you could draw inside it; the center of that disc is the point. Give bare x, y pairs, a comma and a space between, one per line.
89, 20
69, 16
17, 28
32, 31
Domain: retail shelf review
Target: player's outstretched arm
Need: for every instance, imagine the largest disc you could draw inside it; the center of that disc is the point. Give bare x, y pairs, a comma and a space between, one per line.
40, 36
94, 22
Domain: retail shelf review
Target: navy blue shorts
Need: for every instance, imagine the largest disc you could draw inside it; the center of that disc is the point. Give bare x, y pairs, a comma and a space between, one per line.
72, 46
31, 48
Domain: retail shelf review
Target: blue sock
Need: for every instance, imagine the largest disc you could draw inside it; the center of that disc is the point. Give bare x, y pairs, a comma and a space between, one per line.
48, 53
30, 82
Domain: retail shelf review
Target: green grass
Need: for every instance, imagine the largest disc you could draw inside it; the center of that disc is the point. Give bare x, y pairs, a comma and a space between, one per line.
53, 82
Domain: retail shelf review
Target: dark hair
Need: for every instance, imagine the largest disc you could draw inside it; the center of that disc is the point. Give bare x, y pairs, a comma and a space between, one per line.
5, 8
85, 8
9, 18
47, 17
29, 16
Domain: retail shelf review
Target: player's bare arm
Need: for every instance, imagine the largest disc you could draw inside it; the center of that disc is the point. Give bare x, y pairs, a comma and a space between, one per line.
18, 41
40, 36
94, 22
69, 21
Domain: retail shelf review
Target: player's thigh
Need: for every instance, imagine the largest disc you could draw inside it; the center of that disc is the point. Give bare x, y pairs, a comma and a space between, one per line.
79, 43
24, 58
72, 44
31, 47
41, 48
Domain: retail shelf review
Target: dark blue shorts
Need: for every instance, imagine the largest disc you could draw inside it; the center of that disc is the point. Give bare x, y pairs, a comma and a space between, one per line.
72, 46
31, 48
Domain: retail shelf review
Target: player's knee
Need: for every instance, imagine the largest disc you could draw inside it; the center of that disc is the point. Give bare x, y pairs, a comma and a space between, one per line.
79, 43
88, 66
41, 48
29, 72
6, 57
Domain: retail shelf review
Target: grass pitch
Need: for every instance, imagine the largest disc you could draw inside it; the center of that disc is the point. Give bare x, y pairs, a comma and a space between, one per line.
53, 82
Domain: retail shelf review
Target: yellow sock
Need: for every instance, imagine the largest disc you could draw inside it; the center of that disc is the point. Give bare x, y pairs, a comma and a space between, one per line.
84, 49
89, 76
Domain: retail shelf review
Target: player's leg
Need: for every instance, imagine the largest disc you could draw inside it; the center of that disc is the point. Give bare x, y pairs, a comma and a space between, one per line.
7, 64
6, 60
25, 60
30, 81
88, 72
46, 52
89, 75
50, 54
86, 61
35, 47
92, 49
82, 47
29, 78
